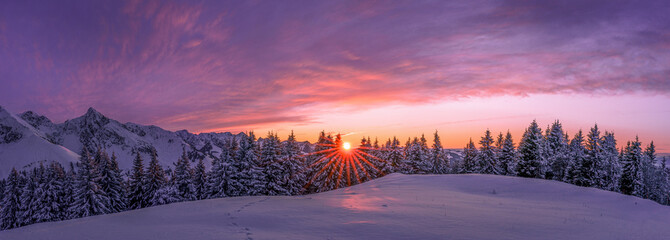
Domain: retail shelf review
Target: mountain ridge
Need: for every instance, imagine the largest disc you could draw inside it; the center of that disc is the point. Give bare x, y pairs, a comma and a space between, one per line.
32, 132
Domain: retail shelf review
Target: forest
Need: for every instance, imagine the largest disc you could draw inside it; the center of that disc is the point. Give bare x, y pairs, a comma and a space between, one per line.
248, 166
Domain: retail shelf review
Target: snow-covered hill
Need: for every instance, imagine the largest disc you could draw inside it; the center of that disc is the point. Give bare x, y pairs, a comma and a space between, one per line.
30, 137
23, 145
393, 207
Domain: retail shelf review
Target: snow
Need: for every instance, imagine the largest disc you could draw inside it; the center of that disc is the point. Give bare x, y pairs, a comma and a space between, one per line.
31, 148
393, 207
43, 140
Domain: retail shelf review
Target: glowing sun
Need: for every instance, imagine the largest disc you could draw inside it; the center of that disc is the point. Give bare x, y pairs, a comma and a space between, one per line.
339, 161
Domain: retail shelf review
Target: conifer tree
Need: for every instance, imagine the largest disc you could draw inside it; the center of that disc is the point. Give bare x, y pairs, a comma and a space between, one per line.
664, 183
3, 183
183, 178
110, 180
68, 192
611, 166
417, 156
395, 157
165, 195
507, 156
11, 201
438, 159
294, 165
558, 155
275, 174
49, 199
31, 188
591, 172
154, 179
253, 177
469, 164
89, 197
217, 181
234, 172
200, 180
117, 191
486, 159
577, 154
531, 163
649, 172
136, 192
632, 176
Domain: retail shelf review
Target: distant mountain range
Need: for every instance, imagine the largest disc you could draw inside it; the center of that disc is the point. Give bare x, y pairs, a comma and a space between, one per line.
28, 138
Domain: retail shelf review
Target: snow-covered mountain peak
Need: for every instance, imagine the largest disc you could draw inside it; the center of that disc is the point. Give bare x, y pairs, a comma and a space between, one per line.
92, 118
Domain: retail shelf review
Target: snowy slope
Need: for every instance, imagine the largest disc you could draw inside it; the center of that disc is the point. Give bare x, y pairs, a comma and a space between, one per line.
22, 145
33, 137
394, 207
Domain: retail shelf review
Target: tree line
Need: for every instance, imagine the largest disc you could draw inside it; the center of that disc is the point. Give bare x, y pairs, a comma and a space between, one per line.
248, 166
589, 161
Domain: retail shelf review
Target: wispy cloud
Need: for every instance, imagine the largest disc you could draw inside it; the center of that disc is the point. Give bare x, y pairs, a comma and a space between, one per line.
241, 64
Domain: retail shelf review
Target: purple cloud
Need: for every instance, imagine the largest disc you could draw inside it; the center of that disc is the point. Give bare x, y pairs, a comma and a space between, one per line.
237, 64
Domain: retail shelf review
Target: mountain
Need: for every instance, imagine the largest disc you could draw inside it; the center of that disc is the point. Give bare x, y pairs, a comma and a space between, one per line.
21, 144
393, 207
31, 137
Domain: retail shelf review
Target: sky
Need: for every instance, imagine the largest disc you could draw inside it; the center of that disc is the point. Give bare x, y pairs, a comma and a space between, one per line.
360, 68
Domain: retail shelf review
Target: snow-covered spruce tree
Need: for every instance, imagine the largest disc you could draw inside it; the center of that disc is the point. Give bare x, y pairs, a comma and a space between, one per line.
89, 197
331, 181
29, 204
469, 164
273, 168
417, 156
200, 180
611, 166
234, 174
165, 195
154, 179
591, 167
3, 183
380, 162
254, 177
370, 172
659, 184
294, 164
49, 198
110, 181
407, 155
664, 183
182, 178
577, 155
486, 159
69, 185
499, 144
136, 193
318, 167
217, 181
426, 165
507, 156
531, 163
11, 201
558, 155
383, 153
439, 162
631, 177
649, 171
395, 157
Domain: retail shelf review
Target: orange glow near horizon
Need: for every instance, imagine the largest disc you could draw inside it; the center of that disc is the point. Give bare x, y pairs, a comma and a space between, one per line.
458, 120
339, 163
